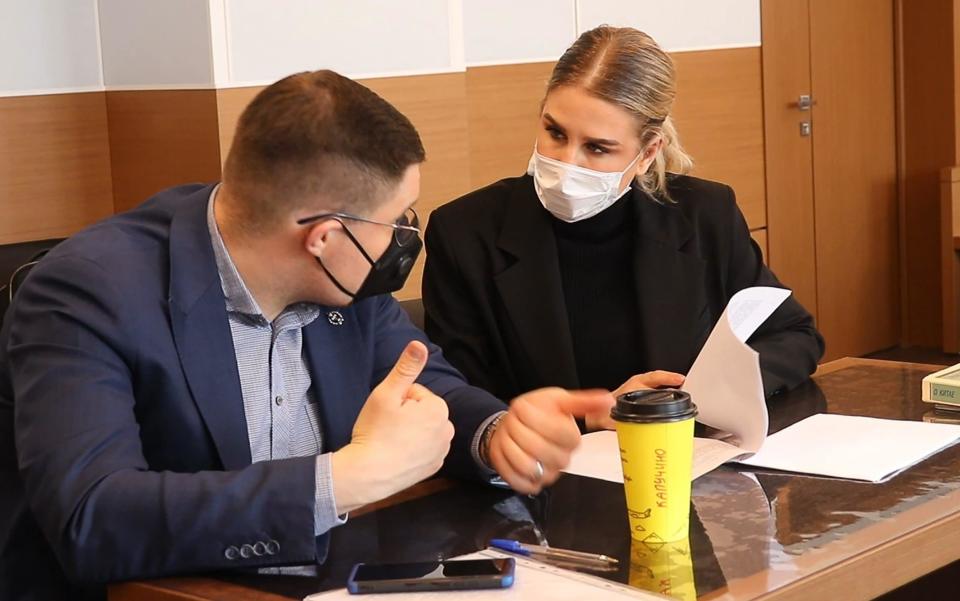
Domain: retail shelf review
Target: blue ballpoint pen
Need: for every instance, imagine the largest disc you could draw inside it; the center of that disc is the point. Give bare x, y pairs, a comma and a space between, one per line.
519, 548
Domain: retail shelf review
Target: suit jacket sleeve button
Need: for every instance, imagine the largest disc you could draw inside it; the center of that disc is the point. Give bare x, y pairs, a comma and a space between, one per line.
246, 551
260, 548
231, 553
273, 547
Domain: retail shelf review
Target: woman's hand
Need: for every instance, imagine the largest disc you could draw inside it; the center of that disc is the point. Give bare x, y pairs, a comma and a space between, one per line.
601, 420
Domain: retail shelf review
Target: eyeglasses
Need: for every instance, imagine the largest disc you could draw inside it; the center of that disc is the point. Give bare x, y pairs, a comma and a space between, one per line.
405, 229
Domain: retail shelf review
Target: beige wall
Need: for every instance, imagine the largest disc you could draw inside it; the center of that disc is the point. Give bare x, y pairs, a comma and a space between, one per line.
479, 126
102, 152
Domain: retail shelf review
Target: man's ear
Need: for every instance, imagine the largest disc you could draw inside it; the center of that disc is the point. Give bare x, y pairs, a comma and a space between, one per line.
319, 235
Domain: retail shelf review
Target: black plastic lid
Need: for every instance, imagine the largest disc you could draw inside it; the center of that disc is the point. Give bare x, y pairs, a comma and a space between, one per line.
651, 406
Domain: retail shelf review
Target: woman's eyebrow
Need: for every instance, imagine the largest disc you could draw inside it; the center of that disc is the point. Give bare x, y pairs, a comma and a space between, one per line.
601, 141
552, 121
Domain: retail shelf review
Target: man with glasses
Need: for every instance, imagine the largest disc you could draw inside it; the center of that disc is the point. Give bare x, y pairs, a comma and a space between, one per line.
402, 253
216, 378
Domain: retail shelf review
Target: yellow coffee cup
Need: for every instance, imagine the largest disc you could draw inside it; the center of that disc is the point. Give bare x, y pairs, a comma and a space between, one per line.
655, 432
664, 568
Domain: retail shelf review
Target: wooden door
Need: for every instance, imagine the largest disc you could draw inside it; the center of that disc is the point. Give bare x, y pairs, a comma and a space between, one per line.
832, 208
855, 174
791, 245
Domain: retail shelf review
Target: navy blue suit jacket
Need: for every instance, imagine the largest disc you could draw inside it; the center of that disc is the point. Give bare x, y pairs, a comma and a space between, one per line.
123, 443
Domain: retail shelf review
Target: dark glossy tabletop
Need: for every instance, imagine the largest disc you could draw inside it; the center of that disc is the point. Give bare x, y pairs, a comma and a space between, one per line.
752, 533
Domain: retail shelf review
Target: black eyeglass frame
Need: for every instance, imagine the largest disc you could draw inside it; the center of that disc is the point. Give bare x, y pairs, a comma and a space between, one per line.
411, 225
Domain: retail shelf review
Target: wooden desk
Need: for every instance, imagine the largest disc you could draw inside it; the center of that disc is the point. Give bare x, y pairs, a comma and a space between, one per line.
761, 536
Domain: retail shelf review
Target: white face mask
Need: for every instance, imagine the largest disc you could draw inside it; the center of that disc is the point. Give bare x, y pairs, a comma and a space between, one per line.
573, 193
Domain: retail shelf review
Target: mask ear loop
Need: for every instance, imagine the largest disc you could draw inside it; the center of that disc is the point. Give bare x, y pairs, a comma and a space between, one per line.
354, 240
359, 246
636, 176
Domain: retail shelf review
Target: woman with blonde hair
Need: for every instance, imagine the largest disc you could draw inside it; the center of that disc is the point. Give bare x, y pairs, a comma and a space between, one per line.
605, 265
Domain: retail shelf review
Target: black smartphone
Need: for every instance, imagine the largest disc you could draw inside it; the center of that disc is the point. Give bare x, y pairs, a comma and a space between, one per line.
454, 574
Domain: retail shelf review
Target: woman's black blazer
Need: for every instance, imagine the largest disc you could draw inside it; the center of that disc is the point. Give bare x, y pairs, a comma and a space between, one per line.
494, 303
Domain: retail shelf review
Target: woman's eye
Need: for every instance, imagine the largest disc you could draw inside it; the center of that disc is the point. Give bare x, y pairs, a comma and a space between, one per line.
595, 149
555, 133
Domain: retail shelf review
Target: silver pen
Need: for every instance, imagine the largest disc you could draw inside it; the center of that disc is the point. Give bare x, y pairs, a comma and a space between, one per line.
519, 548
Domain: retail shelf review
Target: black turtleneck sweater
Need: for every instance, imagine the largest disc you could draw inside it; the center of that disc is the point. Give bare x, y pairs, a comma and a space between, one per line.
599, 287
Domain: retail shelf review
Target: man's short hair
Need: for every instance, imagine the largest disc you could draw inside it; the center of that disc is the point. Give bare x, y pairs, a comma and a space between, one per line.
317, 140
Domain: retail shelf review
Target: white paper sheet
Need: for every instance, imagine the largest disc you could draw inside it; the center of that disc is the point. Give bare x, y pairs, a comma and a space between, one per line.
533, 581
598, 456
857, 448
709, 454
725, 381
726, 385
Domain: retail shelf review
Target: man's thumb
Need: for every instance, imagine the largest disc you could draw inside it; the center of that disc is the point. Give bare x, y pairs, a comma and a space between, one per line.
407, 369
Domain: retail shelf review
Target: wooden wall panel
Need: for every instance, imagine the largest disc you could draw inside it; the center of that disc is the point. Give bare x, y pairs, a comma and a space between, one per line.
436, 104
719, 115
504, 110
949, 258
928, 103
480, 126
54, 165
230, 103
477, 127
161, 138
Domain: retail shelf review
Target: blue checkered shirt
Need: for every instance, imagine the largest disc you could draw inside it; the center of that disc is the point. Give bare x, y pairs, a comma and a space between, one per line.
282, 416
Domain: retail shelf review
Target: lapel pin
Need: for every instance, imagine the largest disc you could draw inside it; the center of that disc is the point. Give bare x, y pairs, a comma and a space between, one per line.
335, 318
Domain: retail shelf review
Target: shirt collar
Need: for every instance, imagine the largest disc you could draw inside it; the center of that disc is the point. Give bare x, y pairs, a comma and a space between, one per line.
237, 295
236, 292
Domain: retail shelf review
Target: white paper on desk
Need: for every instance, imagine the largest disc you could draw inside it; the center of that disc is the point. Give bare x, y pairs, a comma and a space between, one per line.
598, 456
533, 581
725, 384
857, 448
725, 381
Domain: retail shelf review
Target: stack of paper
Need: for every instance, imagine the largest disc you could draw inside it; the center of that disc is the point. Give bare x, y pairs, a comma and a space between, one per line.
725, 384
840, 446
858, 448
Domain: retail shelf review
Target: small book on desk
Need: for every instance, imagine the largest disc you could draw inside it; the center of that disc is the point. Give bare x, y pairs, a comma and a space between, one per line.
725, 384
942, 388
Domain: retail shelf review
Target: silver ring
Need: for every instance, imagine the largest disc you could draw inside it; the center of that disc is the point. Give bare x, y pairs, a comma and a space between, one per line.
538, 475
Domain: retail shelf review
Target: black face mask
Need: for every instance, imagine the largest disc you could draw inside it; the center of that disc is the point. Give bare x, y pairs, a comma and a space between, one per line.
389, 272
